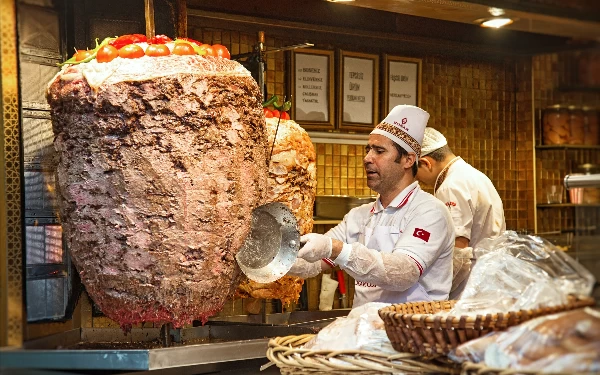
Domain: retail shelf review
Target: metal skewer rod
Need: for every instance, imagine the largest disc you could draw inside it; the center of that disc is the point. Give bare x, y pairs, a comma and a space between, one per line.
149, 14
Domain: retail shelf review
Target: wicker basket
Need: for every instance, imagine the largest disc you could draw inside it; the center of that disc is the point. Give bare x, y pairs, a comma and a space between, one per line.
412, 327
285, 352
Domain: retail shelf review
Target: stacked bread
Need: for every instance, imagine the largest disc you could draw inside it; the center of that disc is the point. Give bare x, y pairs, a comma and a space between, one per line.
568, 342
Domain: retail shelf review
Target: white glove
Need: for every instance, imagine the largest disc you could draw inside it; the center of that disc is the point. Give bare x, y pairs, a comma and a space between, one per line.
316, 247
304, 269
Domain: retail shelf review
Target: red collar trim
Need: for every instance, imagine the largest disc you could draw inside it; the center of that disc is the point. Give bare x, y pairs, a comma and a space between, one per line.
403, 201
406, 198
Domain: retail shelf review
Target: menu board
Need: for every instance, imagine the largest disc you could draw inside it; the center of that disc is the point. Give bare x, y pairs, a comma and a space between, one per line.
312, 85
359, 89
402, 82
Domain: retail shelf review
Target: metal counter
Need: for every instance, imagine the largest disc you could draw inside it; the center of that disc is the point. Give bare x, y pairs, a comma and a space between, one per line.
197, 349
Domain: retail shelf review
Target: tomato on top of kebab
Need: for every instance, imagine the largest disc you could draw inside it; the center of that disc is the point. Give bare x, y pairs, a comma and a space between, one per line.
272, 108
133, 46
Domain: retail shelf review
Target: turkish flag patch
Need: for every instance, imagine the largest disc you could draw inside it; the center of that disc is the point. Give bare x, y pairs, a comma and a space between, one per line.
422, 234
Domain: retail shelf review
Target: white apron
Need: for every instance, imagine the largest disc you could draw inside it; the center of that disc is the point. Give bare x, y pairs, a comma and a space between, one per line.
383, 239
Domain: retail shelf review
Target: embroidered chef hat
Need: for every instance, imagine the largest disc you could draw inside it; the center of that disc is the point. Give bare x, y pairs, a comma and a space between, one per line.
404, 125
432, 140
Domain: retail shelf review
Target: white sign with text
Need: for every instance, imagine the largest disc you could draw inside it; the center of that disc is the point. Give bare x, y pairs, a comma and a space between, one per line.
312, 88
357, 90
402, 83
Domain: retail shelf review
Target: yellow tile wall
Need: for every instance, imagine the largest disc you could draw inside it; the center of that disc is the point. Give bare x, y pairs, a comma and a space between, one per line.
340, 170
486, 111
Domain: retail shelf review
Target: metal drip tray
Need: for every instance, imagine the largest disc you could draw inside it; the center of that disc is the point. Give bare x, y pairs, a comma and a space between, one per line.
295, 318
230, 341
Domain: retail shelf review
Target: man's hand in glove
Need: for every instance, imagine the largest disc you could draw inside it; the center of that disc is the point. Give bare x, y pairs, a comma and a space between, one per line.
315, 247
304, 269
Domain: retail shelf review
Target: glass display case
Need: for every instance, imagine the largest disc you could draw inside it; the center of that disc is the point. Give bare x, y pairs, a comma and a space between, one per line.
586, 235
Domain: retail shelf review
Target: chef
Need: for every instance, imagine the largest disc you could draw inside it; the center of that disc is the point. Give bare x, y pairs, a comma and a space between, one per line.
399, 248
471, 198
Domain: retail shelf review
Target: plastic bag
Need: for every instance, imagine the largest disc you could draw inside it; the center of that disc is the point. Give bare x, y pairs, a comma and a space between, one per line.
500, 282
564, 342
519, 272
328, 287
361, 329
570, 276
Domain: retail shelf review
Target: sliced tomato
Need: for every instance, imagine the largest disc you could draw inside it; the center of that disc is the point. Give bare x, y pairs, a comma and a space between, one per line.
124, 40
208, 48
183, 49
189, 40
285, 116
268, 113
131, 51
106, 53
82, 54
138, 38
157, 50
221, 51
275, 113
160, 39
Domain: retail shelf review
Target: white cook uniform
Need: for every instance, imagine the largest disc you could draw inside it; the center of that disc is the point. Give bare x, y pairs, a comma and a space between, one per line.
415, 224
474, 204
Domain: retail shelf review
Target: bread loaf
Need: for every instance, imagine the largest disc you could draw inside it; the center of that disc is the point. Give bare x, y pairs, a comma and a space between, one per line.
565, 342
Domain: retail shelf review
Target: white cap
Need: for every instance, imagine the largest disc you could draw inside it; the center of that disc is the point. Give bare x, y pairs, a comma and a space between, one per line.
432, 140
404, 125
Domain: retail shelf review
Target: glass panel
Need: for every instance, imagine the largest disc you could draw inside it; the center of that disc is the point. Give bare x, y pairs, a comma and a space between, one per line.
47, 264
38, 147
54, 250
39, 29
33, 75
36, 299
40, 199
34, 244
55, 298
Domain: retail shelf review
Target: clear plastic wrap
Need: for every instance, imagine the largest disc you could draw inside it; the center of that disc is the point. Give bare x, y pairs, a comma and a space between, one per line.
566, 342
517, 272
362, 329
570, 276
500, 282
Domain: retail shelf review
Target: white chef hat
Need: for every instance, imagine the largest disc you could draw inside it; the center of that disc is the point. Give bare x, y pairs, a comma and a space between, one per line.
432, 140
404, 125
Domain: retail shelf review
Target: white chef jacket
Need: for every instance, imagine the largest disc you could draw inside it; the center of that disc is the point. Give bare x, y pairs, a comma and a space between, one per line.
415, 224
474, 203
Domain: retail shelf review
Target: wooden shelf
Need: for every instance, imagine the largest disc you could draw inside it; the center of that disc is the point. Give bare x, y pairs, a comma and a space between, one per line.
562, 205
565, 147
571, 88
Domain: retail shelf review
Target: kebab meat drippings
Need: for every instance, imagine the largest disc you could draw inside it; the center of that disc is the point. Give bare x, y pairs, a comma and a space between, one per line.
161, 160
292, 181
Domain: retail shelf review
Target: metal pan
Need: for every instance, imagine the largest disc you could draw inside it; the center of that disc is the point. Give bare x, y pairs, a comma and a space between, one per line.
271, 248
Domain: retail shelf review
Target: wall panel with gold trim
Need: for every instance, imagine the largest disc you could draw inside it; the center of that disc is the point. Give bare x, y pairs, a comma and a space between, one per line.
11, 265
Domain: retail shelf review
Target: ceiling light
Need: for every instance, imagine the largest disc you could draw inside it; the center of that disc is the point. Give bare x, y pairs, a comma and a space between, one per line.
495, 22
340, 1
